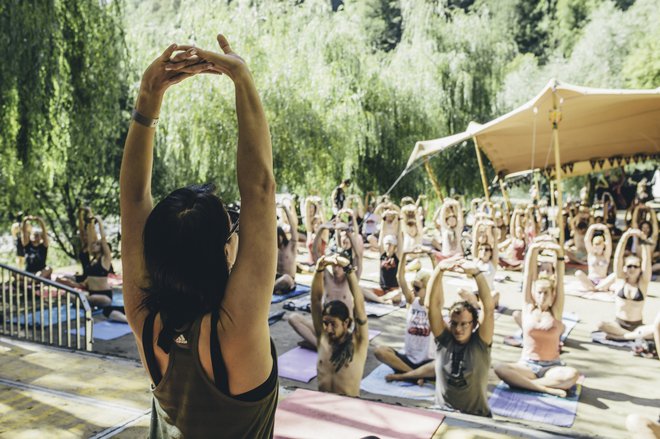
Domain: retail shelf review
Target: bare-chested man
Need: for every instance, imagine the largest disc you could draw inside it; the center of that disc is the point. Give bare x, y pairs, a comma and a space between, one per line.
335, 282
285, 279
342, 353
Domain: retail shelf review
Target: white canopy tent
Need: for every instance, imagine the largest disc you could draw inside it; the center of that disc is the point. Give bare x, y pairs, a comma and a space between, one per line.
591, 129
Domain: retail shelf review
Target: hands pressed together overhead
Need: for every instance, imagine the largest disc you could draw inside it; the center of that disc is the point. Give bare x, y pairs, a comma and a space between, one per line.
179, 62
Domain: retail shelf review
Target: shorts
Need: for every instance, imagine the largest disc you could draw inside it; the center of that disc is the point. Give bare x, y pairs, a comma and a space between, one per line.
106, 293
412, 365
629, 326
540, 368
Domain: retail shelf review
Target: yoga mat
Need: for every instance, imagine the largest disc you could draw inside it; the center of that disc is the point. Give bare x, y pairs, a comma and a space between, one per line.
117, 300
372, 309
36, 320
600, 338
534, 406
308, 414
569, 319
300, 290
575, 288
107, 330
375, 383
299, 364
378, 309
275, 317
115, 280
302, 304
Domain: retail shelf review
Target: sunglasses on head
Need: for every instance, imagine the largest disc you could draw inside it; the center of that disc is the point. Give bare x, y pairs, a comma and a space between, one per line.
234, 229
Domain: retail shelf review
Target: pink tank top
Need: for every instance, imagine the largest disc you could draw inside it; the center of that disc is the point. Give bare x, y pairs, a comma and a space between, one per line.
541, 344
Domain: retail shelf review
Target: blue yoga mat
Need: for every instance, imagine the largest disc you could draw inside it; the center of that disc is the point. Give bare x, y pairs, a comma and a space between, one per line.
375, 383
107, 330
534, 406
300, 290
35, 318
275, 317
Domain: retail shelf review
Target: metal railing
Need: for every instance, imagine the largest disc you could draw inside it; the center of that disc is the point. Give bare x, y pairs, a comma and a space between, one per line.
43, 311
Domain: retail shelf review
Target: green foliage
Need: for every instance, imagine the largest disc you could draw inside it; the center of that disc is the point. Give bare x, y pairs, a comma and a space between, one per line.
63, 109
348, 89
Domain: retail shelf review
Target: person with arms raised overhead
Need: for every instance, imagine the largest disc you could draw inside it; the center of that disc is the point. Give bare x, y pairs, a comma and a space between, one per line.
463, 346
342, 352
287, 249
197, 300
540, 369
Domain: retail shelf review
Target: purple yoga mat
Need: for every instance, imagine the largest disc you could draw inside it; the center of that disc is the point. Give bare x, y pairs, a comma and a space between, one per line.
533, 406
300, 364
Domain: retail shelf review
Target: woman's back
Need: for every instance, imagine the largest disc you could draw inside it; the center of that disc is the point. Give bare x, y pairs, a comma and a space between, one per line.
188, 403
181, 261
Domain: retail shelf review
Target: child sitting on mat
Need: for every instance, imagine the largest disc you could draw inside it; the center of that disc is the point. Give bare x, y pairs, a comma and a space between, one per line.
540, 368
342, 353
389, 290
418, 348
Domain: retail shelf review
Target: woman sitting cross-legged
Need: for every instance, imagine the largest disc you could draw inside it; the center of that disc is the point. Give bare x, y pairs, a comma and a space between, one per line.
633, 277
540, 368
599, 251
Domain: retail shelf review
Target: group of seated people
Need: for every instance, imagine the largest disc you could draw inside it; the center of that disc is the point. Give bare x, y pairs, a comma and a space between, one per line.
455, 349
95, 257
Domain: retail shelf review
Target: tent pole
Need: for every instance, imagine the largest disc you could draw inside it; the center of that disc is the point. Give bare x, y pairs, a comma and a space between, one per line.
555, 118
552, 193
536, 186
434, 180
505, 194
481, 169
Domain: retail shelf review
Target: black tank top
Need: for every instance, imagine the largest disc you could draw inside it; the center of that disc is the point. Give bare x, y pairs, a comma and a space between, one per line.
96, 269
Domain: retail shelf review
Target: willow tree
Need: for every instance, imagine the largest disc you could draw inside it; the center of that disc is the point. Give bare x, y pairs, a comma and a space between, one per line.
63, 106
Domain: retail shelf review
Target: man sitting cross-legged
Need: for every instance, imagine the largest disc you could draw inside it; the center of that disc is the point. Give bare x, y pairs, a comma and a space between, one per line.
342, 353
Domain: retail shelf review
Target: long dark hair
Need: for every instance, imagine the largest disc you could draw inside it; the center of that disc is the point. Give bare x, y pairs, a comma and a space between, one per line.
184, 254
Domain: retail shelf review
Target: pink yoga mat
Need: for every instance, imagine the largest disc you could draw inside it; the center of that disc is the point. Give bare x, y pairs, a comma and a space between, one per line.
300, 364
308, 414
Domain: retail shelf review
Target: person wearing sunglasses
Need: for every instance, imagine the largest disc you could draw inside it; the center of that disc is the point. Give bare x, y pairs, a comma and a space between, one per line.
540, 369
633, 276
196, 300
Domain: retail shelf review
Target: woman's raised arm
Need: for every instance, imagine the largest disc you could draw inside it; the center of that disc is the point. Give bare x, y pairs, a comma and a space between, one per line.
135, 176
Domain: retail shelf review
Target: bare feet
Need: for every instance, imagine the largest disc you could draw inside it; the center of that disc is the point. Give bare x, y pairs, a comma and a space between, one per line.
556, 392
393, 377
